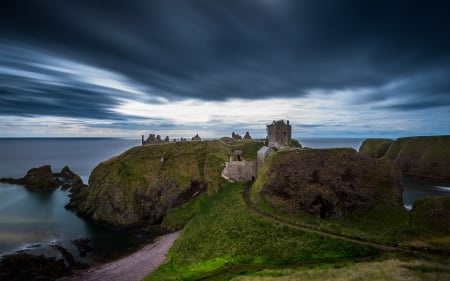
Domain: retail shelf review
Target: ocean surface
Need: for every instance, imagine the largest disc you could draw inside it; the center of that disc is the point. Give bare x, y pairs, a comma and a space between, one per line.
32, 221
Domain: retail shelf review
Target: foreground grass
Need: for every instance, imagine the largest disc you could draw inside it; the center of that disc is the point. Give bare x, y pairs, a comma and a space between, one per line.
394, 269
222, 235
393, 226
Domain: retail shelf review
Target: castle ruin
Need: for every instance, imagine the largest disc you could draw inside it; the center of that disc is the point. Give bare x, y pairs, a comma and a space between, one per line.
279, 134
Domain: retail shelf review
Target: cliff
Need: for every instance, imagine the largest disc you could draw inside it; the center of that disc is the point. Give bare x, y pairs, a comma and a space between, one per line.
140, 185
425, 157
375, 148
328, 182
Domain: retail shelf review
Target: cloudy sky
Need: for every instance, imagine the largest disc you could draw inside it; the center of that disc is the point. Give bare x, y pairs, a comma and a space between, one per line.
123, 68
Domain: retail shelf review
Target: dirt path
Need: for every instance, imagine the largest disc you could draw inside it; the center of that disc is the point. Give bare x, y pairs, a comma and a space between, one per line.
132, 267
266, 216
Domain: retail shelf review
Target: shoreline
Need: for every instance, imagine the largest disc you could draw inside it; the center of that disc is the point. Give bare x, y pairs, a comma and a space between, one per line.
132, 267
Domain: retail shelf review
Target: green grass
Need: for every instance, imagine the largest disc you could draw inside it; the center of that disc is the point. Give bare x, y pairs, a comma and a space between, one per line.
375, 147
426, 227
393, 268
141, 184
386, 225
221, 234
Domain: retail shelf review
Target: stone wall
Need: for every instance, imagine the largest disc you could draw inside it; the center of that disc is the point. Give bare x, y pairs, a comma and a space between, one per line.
240, 171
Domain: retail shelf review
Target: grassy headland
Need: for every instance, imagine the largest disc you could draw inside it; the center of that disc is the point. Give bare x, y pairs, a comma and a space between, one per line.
140, 185
424, 157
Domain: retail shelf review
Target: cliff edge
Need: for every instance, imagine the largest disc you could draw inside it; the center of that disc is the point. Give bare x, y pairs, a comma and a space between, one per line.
140, 185
425, 157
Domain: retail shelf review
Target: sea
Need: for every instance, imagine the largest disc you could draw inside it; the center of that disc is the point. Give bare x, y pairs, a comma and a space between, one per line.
33, 221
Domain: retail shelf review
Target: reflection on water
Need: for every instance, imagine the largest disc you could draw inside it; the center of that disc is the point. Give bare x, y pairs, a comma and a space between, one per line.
34, 220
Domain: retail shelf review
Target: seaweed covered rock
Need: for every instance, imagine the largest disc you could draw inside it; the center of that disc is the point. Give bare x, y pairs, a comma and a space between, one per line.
375, 148
140, 185
329, 182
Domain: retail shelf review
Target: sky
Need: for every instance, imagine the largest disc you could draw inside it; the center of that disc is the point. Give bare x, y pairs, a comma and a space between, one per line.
95, 68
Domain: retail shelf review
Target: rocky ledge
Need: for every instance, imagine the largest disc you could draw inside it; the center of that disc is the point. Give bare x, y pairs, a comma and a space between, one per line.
42, 178
329, 183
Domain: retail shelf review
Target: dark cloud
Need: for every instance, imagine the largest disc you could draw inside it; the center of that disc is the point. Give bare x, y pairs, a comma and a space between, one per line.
85, 58
221, 49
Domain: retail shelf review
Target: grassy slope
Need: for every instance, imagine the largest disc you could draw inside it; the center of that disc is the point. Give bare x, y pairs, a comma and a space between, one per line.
221, 233
382, 224
394, 269
135, 187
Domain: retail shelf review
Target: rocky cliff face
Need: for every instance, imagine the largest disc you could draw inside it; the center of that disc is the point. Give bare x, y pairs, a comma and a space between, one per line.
425, 157
140, 185
329, 182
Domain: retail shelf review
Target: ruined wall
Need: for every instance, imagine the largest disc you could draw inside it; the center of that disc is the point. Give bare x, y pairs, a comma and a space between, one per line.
240, 171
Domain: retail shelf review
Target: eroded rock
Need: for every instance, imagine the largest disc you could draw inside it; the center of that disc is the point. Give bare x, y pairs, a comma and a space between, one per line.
330, 183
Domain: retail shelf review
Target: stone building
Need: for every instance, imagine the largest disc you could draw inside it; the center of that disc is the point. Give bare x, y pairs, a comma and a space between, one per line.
279, 133
247, 136
235, 136
261, 157
196, 138
152, 139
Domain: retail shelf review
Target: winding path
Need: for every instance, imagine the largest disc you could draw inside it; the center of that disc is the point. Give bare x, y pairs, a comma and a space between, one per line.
306, 228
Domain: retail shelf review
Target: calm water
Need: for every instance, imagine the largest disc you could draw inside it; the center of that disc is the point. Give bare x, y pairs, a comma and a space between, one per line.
331, 142
33, 220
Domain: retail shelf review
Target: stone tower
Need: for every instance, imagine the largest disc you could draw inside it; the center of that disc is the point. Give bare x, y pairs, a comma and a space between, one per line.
279, 133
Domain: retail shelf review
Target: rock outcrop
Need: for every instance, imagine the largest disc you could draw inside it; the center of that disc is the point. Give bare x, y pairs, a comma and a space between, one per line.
425, 157
24, 266
329, 182
71, 180
42, 178
140, 185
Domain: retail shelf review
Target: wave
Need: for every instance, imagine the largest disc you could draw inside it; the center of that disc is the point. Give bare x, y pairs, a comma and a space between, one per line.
442, 188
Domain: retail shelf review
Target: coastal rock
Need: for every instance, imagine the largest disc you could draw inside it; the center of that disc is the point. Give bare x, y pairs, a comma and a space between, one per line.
82, 245
137, 188
72, 181
41, 178
24, 266
424, 157
329, 183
